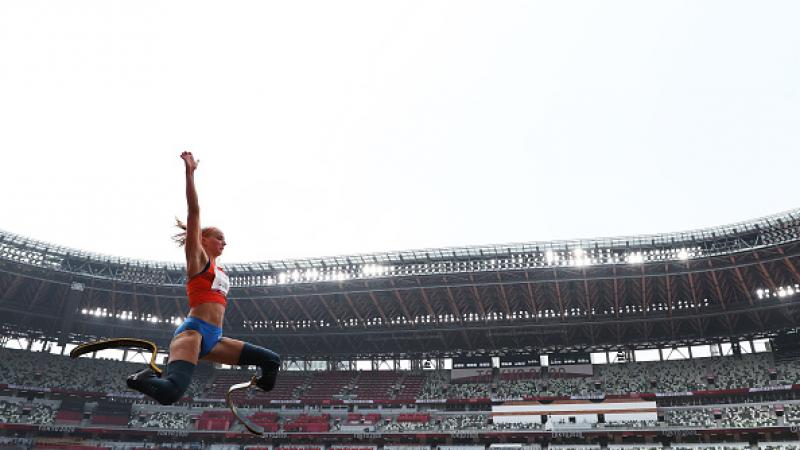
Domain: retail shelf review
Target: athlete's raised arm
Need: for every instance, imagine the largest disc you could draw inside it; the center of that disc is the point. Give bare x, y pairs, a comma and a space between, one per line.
196, 257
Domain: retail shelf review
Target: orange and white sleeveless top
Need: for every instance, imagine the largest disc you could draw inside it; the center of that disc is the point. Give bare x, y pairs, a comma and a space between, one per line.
209, 286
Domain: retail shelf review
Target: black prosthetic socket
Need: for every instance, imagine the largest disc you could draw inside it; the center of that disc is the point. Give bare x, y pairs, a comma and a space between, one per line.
167, 390
267, 360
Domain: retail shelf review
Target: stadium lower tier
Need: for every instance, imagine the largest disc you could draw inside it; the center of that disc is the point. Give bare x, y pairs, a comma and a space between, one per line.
92, 415
702, 376
754, 398
121, 445
19, 443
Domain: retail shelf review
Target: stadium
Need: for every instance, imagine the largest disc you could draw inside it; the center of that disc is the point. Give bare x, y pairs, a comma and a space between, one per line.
401, 233
683, 340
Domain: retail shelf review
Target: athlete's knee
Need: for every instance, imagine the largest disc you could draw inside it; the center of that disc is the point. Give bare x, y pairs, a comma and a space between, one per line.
266, 359
179, 377
254, 355
166, 390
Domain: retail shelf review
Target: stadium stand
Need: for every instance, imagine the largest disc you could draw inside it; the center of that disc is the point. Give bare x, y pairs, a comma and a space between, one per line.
111, 413
162, 420
327, 385
779, 446
268, 420
215, 420
70, 411
21, 368
290, 387
377, 384
703, 374
463, 422
310, 423
748, 416
710, 446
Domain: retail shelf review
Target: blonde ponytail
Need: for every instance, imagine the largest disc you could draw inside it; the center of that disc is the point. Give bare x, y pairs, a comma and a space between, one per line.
180, 238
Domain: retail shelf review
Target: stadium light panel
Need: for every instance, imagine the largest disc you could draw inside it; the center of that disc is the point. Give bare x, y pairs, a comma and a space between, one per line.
635, 258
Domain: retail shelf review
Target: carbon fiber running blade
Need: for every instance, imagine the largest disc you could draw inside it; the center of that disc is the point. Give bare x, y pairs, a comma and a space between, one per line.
251, 427
96, 346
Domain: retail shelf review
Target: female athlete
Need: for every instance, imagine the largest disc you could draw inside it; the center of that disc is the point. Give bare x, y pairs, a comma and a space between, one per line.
200, 335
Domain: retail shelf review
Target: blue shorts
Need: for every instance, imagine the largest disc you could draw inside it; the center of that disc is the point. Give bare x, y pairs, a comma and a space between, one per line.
210, 334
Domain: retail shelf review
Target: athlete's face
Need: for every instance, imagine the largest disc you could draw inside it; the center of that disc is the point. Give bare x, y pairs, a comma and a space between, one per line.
214, 242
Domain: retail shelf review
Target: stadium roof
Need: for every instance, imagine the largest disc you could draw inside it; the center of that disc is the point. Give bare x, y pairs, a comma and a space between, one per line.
730, 282
682, 245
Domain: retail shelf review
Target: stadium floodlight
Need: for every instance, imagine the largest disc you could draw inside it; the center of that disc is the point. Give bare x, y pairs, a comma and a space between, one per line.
580, 257
683, 254
635, 258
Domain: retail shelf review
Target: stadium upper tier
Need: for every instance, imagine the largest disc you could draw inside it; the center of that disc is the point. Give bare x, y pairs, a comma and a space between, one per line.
709, 285
679, 246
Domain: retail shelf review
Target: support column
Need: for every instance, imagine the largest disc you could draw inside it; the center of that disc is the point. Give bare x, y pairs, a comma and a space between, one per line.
69, 310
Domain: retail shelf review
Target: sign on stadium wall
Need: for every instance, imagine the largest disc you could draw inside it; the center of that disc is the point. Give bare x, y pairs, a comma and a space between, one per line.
472, 362
25, 387
471, 375
576, 370
782, 387
570, 364
569, 358
531, 360
674, 394
475, 369
520, 366
577, 411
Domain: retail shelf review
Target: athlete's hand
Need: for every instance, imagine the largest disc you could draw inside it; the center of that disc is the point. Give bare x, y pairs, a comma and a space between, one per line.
189, 161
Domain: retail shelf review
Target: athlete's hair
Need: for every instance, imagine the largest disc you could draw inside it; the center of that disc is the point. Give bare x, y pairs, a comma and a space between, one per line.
180, 238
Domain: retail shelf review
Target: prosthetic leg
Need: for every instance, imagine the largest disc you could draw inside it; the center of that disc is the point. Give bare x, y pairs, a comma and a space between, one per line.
251, 427
95, 346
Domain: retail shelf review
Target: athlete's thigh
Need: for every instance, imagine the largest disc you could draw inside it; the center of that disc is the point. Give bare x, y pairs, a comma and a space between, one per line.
185, 346
226, 351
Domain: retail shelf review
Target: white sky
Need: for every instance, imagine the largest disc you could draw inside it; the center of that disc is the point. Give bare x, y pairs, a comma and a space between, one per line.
331, 127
